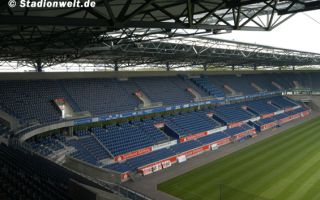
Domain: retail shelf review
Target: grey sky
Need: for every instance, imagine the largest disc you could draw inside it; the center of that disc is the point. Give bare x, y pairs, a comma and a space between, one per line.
300, 33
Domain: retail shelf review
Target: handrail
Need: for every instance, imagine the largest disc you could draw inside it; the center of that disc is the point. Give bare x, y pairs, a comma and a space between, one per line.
69, 123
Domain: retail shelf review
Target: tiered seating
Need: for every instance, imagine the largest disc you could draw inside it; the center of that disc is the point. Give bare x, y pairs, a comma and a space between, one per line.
184, 82
262, 80
265, 121
48, 145
283, 80
29, 177
280, 116
149, 158
190, 123
239, 84
30, 101
209, 87
231, 113
88, 149
43, 150
150, 129
82, 153
237, 130
261, 107
282, 102
123, 139
164, 89
81, 133
182, 147
299, 110
100, 96
140, 161
75, 107
212, 138
134, 163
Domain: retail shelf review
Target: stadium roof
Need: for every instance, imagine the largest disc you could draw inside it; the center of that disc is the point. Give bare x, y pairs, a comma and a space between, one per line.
47, 36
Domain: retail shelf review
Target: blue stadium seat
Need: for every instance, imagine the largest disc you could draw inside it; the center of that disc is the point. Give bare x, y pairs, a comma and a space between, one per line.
28, 176
232, 113
167, 90
190, 123
212, 138
128, 137
208, 86
282, 102
261, 107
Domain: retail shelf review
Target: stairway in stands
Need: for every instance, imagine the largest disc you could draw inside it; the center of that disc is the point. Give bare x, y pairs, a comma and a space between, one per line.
70, 100
209, 87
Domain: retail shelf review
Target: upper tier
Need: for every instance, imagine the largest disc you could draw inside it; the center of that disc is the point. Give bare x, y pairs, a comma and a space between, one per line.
32, 100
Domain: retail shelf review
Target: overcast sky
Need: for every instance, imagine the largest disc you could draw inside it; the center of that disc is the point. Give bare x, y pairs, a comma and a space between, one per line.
300, 32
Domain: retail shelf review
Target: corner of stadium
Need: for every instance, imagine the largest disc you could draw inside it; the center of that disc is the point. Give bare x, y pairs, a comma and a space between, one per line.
143, 100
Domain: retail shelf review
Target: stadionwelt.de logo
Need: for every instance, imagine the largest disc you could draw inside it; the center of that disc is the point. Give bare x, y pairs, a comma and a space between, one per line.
52, 3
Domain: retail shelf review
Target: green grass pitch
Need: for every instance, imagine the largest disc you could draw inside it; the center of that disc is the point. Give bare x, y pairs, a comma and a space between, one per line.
282, 167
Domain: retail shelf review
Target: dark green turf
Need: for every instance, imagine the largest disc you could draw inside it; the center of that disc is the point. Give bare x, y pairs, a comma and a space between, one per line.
282, 167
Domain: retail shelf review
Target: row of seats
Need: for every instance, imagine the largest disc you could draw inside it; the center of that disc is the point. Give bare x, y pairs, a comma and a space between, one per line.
247, 110
96, 144
100, 96
100, 143
282, 102
209, 87
190, 123
48, 145
237, 130
128, 137
89, 149
30, 101
261, 107
167, 90
81, 133
140, 161
182, 147
279, 116
232, 113
134, 163
29, 177
238, 83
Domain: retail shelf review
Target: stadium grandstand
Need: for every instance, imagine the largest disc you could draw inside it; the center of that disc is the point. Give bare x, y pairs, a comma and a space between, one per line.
123, 99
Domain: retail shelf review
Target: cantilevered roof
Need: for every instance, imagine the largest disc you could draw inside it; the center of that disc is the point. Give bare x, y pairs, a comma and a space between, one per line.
57, 35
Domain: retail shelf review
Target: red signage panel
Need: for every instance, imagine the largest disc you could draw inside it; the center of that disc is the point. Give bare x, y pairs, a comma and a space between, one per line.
133, 154
194, 136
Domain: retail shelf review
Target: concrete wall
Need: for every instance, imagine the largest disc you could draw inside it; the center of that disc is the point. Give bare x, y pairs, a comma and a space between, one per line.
14, 123
92, 171
79, 191
45, 129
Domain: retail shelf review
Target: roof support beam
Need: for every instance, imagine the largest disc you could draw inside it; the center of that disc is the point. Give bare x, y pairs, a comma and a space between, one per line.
57, 21
138, 10
190, 12
38, 65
